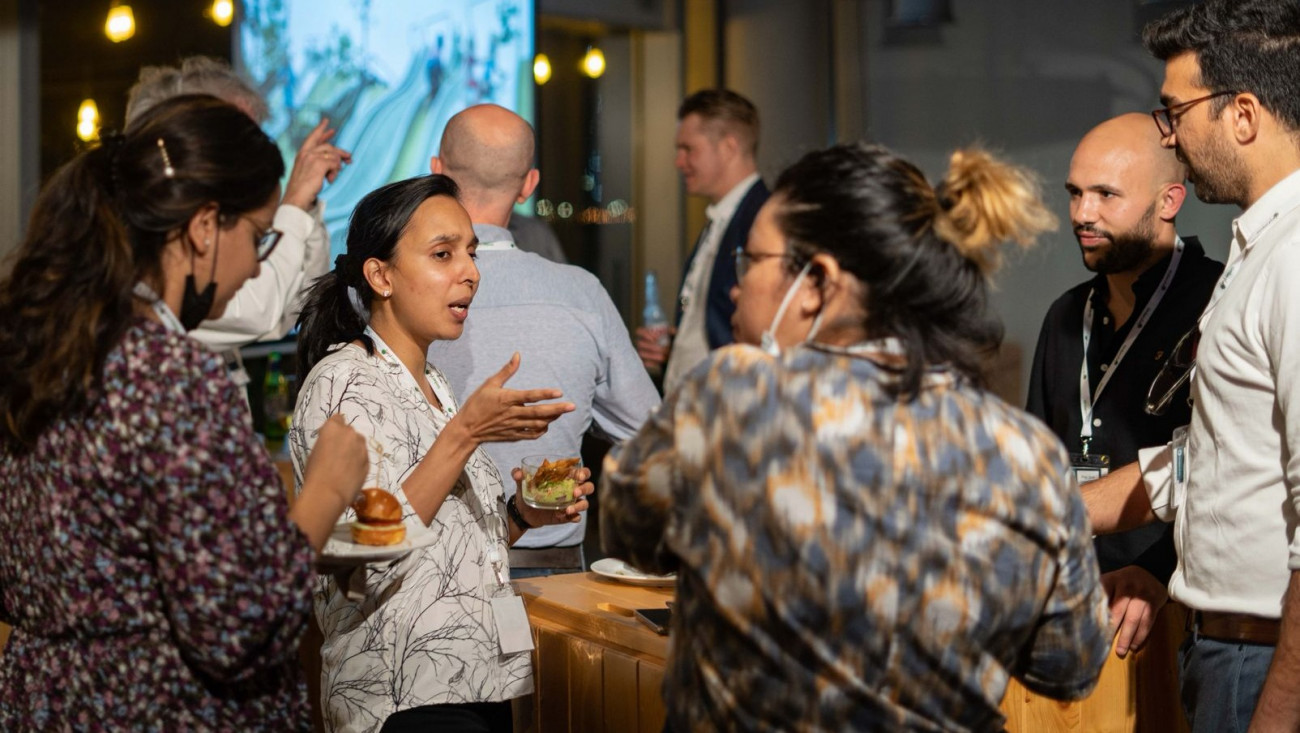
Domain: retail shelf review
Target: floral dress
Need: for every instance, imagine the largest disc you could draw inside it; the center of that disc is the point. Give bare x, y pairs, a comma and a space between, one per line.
423, 634
149, 566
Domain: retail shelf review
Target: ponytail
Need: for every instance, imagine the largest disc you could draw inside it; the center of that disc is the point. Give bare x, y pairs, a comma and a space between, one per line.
67, 300
329, 318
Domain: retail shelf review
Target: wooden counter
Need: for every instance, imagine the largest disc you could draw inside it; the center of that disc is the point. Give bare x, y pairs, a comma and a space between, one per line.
599, 669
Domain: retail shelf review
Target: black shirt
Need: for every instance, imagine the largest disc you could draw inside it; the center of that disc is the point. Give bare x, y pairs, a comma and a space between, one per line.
1125, 427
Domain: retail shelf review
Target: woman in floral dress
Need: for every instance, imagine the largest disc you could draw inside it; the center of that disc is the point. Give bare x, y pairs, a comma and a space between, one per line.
154, 574
427, 642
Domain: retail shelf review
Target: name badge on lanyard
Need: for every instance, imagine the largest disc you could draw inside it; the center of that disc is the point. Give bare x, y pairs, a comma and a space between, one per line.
1089, 466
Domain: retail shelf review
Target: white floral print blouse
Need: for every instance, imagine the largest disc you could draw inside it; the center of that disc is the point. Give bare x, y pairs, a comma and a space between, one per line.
424, 632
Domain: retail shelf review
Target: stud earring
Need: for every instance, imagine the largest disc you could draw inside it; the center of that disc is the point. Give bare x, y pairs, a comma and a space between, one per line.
387, 293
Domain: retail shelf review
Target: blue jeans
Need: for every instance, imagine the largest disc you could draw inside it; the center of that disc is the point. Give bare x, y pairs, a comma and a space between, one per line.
521, 573
1220, 682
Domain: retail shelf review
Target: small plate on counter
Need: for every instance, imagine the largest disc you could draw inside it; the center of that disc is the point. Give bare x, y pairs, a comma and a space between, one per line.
623, 573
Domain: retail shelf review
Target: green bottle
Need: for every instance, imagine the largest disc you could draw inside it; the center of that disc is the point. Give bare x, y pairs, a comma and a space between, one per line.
275, 404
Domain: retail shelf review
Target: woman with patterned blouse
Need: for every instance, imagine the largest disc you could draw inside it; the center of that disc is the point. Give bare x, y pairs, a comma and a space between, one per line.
426, 642
864, 538
155, 575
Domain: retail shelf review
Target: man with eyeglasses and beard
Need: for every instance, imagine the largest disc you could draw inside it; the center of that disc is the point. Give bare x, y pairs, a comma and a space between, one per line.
1231, 481
1125, 191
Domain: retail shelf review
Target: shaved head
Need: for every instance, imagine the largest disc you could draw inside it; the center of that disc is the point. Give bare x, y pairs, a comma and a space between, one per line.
1132, 142
488, 150
1125, 190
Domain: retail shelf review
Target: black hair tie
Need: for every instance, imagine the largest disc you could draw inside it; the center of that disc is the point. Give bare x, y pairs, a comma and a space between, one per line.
946, 202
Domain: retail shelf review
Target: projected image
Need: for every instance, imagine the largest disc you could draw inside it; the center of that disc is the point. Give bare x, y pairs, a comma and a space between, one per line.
388, 74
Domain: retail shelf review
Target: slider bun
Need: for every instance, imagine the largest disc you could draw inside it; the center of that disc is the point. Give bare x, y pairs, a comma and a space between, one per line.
376, 506
378, 534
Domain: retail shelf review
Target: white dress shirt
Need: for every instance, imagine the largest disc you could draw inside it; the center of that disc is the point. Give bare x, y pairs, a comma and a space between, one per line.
1235, 517
691, 344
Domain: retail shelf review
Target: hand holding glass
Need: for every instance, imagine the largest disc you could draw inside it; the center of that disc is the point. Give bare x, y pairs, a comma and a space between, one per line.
549, 481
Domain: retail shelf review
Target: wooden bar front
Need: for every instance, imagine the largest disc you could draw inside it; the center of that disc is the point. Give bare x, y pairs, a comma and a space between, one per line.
598, 669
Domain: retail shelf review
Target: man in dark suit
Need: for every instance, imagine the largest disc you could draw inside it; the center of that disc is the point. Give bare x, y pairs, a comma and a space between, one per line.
717, 144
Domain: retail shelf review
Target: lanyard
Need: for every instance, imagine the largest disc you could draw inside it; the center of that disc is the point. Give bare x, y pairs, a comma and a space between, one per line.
496, 528
1088, 398
169, 319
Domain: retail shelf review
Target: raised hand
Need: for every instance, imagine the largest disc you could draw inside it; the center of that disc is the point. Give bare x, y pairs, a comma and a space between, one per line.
317, 161
652, 346
567, 515
339, 457
495, 414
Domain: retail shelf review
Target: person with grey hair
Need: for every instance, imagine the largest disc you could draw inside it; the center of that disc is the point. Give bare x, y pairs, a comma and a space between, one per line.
268, 305
557, 317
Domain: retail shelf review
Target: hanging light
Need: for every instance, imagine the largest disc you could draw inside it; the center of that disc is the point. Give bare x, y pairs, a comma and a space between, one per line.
541, 69
120, 24
88, 121
593, 64
222, 12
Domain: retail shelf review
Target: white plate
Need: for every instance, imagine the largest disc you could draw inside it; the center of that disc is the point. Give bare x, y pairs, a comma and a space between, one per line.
340, 548
624, 573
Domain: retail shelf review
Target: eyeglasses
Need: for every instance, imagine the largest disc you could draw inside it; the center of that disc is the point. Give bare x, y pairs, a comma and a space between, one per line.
266, 241
1174, 373
744, 259
1165, 116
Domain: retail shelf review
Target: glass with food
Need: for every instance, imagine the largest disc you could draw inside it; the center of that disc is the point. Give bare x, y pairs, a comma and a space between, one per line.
549, 481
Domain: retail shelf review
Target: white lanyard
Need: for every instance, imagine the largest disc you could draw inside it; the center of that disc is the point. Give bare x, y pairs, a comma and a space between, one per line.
1088, 398
496, 524
169, 319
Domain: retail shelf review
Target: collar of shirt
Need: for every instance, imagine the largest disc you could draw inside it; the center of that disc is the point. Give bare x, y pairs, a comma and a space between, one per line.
492, 238
1253, 222
726, 206
395, 367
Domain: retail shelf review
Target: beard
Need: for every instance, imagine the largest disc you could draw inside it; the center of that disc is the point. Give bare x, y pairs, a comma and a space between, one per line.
1128, 250
1217, 175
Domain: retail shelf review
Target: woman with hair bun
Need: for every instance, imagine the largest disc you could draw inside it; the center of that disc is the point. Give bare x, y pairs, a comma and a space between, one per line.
154, 574
864, 538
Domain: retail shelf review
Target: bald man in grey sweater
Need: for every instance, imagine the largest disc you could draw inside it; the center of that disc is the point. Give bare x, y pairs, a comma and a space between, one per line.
558, 317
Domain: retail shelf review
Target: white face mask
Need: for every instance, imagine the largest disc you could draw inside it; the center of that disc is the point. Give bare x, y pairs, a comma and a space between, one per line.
767, 341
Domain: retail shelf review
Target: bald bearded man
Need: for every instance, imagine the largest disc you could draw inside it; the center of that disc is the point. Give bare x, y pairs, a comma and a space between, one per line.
1150, 285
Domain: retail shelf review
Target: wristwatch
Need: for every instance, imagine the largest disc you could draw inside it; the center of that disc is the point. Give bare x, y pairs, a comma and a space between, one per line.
513, 510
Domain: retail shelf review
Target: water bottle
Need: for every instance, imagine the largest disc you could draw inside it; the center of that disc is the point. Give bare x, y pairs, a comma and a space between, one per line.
275, 404
653, 318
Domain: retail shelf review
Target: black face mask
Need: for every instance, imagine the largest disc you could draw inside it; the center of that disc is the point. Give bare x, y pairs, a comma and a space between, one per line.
196, 306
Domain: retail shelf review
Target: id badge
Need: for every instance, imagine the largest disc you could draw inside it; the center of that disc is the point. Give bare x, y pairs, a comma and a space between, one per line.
1181, 469
1089, 466
513, 630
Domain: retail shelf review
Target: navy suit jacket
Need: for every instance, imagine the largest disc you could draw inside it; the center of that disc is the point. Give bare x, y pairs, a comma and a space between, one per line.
717, 318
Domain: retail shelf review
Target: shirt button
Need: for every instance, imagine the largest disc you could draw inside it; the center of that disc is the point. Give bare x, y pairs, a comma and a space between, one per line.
1096, 422
1104, 367
1106, 320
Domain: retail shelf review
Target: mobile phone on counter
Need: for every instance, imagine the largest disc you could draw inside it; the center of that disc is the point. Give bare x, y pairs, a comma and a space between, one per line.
656, 618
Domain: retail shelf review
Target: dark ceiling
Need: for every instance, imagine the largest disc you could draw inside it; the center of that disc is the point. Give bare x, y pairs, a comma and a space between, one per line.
78, 61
